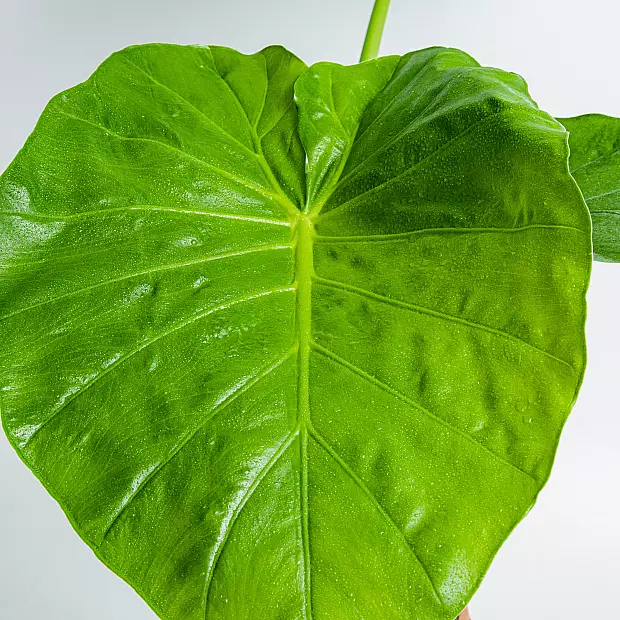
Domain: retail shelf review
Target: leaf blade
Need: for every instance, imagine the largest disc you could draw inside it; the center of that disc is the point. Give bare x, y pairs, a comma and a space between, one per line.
594, 141
290, 390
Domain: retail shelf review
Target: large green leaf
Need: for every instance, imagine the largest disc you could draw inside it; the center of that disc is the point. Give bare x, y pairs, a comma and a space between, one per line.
595, 163
293, 354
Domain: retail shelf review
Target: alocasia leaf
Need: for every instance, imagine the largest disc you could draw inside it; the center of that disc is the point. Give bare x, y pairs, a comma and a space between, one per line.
293, 343
595, 163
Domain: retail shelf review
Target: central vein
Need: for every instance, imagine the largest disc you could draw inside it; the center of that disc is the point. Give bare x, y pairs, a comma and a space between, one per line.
303, 269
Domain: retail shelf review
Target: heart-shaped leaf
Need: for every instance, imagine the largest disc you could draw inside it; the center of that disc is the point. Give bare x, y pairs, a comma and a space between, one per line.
293, 343
595, 163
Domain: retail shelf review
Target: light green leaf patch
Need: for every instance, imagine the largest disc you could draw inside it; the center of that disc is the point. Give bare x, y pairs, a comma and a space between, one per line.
287, 342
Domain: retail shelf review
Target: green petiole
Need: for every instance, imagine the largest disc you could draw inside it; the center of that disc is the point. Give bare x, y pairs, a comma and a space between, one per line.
372, 42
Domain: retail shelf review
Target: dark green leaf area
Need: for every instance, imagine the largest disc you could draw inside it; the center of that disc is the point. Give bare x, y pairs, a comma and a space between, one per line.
595, 163
287, 342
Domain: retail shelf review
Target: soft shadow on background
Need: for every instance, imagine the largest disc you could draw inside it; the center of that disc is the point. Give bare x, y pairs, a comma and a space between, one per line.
562, 562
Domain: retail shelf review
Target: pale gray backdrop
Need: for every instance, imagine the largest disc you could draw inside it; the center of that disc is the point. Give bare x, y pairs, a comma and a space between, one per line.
562, 562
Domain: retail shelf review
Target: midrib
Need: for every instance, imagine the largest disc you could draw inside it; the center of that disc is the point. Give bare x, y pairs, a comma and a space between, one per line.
304, 231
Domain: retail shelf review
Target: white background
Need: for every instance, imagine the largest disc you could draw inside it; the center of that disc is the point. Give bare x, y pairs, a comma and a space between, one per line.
562, 562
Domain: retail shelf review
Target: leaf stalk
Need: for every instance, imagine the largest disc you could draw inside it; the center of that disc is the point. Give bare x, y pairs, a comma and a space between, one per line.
372, 42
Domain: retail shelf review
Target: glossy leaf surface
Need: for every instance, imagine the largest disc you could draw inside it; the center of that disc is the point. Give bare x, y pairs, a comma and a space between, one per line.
293, 343
595, 163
